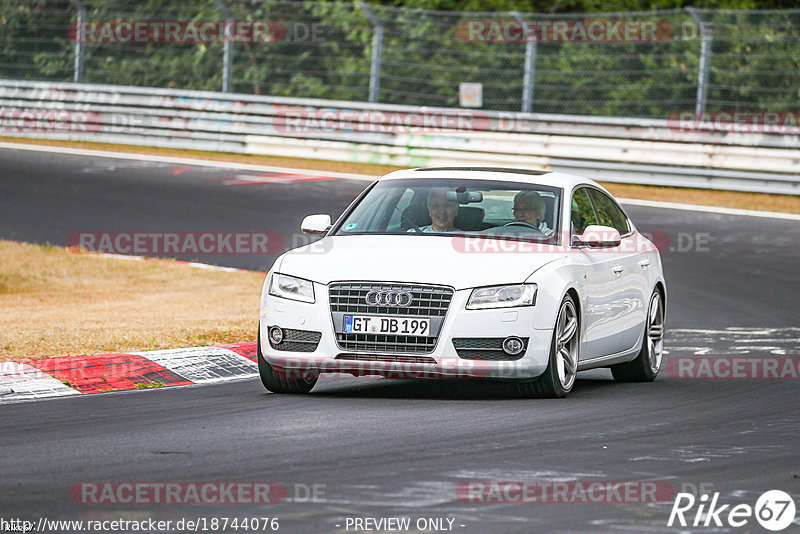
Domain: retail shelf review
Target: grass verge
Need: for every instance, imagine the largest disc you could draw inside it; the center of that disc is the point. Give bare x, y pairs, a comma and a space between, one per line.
56, 303
726, 199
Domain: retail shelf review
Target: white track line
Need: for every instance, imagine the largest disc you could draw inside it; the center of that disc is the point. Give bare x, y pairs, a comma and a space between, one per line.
196, 265
353, 176
709, 209
210, 267
183, 161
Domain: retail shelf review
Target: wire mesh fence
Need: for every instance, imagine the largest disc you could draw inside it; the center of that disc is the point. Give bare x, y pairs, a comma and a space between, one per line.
643, 64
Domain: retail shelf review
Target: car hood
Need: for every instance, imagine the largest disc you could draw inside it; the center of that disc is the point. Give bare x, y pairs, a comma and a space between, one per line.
441, 260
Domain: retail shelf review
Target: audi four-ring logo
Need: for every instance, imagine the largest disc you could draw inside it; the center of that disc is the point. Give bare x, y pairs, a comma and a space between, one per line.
396, 299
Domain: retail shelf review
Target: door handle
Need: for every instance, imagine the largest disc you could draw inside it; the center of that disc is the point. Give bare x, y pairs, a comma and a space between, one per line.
618, 269
644, 264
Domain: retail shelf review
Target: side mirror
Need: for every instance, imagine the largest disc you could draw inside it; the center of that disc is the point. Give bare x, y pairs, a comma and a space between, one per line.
600, 236
316, 224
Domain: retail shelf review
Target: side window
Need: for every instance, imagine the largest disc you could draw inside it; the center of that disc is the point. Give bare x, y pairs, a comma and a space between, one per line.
608, 212
582, 214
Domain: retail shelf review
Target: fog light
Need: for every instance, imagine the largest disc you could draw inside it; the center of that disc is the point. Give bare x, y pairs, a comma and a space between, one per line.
276, 335
513, 345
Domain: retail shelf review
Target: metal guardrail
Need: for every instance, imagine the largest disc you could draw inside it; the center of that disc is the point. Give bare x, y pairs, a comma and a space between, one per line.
643, 151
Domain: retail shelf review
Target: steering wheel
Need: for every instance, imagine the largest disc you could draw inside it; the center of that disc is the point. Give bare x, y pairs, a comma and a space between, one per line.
406, 218
523, 223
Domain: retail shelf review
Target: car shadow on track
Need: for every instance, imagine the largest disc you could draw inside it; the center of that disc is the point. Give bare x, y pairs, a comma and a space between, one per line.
440, 389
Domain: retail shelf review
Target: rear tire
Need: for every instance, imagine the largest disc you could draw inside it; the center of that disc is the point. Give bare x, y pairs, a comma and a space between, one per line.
647, 364
278, 381
559, 377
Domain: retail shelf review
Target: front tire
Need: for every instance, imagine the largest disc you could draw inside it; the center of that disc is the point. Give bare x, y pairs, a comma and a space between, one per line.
278, 381
647, 364
559, 377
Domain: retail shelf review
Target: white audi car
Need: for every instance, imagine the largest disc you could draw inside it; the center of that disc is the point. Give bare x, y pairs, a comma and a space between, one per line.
515, 275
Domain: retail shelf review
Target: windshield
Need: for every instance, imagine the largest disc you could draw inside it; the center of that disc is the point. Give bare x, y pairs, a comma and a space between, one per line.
487, 208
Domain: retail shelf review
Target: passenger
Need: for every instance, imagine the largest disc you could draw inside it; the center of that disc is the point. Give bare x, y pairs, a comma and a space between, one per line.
529, 208
442, 212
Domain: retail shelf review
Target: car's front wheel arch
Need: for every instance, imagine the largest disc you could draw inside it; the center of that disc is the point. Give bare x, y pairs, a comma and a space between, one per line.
572, 292
663, 293
646, 365
558, 378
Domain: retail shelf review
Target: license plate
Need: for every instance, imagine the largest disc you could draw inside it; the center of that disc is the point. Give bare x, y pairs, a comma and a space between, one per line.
369, 324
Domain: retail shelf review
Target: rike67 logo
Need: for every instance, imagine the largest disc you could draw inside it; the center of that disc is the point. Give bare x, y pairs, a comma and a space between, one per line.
774, 510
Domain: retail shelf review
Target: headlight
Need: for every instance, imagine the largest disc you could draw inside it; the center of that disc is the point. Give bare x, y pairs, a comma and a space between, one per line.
484, 298
292, 288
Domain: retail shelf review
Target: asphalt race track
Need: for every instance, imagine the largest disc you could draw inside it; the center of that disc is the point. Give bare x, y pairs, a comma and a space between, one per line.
389, 448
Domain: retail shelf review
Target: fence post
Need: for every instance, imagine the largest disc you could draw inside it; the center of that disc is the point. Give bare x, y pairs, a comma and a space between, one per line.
79, 41
705, 61
227, 50
377, 52
530, 63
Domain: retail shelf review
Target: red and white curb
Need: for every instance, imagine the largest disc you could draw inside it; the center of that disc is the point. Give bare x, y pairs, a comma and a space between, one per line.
78, 375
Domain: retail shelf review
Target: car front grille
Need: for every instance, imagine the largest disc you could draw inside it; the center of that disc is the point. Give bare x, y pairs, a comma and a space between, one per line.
386, 342
427, 301
485, 348
386, 358
298, 341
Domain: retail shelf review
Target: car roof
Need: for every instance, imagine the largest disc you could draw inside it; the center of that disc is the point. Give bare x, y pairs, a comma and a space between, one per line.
506, 174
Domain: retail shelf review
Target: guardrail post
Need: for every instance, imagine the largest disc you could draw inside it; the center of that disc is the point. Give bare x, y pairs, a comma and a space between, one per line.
227, 50
530, 64
705, 61
79, 41
377, 52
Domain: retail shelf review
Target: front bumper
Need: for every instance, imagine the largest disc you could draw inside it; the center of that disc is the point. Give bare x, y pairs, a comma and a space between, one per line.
442, 362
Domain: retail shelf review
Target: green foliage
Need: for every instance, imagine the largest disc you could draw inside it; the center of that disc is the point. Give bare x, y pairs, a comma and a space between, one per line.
584, 6
149, 385
324, 51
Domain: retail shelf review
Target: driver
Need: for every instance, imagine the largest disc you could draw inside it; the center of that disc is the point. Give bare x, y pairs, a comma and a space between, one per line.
442, 211
529, 208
